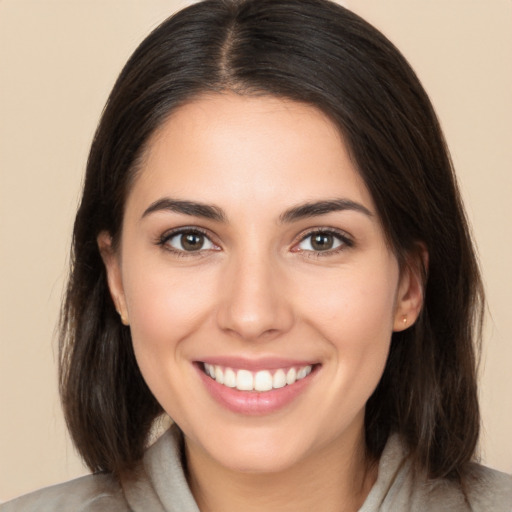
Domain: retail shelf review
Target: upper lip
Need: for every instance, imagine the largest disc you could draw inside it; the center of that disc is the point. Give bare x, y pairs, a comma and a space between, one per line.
263, 363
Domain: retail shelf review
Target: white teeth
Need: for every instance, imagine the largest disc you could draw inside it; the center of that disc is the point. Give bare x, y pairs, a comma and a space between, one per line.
279, 379
219, 375
230, 378
244, 380
260, 381
291, 376
263, 381
301, 373
210, 370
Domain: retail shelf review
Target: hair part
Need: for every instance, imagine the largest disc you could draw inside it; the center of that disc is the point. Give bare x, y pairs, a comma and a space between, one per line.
315, 52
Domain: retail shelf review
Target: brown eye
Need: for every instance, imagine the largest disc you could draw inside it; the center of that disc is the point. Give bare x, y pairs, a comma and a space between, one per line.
192, 241
322, 241
189, 241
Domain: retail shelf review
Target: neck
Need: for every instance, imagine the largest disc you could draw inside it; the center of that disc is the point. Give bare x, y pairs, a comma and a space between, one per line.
336, 478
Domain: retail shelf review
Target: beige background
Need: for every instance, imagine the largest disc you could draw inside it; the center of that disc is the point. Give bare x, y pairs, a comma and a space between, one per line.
58, 61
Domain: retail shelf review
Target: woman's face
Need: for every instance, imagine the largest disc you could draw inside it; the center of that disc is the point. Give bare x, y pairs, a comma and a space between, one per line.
251, 249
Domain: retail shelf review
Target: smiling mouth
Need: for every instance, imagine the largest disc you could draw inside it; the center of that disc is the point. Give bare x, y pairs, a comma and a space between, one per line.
259, 381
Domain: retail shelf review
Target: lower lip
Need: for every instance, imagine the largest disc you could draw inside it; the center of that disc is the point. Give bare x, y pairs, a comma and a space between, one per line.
254, 403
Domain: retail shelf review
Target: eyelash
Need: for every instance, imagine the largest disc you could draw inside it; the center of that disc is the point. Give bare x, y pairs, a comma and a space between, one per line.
346, 242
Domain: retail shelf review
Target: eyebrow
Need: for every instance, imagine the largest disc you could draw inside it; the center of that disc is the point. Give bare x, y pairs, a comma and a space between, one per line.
302, 211
207, 211
316, 208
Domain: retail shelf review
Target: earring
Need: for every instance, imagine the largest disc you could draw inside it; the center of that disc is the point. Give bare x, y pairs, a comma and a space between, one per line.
404, 319
124, 320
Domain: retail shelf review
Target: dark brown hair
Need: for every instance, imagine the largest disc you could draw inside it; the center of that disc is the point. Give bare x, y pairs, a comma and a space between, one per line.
312, 51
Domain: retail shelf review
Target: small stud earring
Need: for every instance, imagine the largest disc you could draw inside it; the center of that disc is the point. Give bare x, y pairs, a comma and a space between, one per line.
404, 320
124, 321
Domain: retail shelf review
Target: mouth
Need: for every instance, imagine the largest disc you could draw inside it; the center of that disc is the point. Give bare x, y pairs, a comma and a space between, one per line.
259, 381
264, 389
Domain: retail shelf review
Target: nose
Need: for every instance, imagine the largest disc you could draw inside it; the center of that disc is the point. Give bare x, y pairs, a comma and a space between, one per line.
254, 301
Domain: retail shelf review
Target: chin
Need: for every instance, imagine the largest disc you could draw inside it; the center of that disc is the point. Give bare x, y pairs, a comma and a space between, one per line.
256, 460
257, 450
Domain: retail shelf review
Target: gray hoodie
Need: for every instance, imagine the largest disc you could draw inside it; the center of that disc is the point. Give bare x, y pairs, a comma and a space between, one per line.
162, 487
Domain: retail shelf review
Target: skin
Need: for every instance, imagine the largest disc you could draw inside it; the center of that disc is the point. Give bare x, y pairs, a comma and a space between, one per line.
256, 289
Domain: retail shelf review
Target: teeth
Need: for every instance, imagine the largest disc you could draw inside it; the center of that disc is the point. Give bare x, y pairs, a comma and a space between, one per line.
263, 381
260, 381
219, 375
244, 380
230, 378
291, 376
303, 372
279, 379
208, 368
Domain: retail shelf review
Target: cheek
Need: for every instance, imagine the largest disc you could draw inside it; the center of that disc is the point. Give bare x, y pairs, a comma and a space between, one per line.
358, 326
354, 312
355, 304
165, 306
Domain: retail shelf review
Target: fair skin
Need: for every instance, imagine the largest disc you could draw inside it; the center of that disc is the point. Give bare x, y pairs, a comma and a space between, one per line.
253, 281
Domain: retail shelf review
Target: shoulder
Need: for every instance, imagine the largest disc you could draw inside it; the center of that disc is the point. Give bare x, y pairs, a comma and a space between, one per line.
400, 488
91, 493
159, 484
483, 490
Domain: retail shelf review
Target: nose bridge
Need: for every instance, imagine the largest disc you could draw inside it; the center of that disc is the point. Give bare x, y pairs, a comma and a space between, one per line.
254, 301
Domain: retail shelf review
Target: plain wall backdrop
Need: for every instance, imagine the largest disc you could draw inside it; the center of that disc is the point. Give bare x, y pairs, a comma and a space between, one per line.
58, 62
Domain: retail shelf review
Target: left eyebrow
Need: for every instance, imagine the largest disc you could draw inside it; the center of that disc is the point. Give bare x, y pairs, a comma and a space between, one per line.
317, 208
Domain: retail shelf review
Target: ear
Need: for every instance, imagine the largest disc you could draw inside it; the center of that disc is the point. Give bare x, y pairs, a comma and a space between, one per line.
409, 300
114, 278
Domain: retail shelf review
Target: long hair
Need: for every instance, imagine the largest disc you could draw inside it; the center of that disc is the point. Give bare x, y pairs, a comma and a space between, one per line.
315, 52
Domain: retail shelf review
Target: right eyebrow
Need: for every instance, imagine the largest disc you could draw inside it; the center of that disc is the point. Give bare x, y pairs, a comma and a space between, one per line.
192, 208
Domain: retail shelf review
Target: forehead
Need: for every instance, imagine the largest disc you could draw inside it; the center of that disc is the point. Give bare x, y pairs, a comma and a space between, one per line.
228, 148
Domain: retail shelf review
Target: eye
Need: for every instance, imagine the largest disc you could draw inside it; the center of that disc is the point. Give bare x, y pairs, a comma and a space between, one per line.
323, 241
189, 240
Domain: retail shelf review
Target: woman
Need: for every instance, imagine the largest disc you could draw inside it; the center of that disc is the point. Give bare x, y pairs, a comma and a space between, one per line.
271, 249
